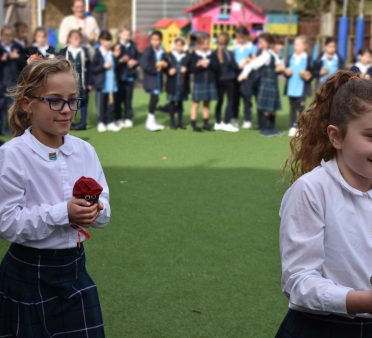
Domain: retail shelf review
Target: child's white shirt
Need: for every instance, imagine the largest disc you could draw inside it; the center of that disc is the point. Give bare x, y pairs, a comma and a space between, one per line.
42, 49
262, 60
363, 68
325, 241
74, 51
35, 188
178, 56
203, 55
298, 57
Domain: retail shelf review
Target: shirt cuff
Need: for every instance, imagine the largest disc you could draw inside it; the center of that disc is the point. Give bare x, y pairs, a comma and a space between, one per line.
59, 214
335, 299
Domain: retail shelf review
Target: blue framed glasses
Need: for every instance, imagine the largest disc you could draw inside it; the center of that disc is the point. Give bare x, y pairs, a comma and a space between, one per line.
57, 104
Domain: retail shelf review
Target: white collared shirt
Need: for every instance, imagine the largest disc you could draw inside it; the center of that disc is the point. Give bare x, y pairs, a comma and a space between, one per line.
325, 241
363, 68
35, 188
178, 56
298, 57
262, 60
74, 51
202, 54
42, 49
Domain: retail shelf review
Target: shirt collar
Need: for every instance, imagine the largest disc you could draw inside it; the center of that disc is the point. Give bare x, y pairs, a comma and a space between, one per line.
46, 152
333, 170
202, 54
325, 57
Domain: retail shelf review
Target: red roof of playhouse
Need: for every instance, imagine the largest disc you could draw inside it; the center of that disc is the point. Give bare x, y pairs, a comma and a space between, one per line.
208, 2
165, 23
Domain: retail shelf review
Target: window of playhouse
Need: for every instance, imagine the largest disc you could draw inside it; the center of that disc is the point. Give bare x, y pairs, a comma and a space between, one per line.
257, 27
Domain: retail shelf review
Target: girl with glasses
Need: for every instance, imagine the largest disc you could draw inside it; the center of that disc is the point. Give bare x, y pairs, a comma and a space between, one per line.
45, 289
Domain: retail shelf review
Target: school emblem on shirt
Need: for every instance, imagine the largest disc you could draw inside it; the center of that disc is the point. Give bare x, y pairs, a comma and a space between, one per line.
52, 156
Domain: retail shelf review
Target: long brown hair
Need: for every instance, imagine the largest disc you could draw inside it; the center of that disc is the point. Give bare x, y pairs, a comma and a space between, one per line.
223, 42
32, 77
343, 97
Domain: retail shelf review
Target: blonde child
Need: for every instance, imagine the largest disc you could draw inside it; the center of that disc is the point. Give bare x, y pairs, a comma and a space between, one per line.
45, 289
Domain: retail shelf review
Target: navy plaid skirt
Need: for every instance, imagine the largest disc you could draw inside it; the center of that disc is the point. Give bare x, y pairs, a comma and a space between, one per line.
48, 293
205, 91
304, 325
268, 97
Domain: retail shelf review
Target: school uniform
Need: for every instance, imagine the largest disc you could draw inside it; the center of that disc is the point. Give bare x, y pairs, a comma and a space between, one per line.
105, 82
79, 57
268, 98
45, 51
204, 78
362, 69
126, 79
297, 88
245, 89
333, 64
226, 84
152, 79
9, 71
325, 250
177, 86
45, 290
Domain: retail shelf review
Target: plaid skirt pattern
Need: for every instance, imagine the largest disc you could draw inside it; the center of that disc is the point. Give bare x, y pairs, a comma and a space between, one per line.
268, 98
48, 293
205, 91
303, 325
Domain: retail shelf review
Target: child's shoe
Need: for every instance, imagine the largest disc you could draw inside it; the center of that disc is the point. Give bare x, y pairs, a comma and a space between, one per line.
217, 126
235, 122
113, 127
247, 125
152, 125
229, 128
128, 124
101, 127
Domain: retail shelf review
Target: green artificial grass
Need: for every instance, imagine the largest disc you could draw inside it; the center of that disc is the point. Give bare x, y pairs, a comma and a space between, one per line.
192, 248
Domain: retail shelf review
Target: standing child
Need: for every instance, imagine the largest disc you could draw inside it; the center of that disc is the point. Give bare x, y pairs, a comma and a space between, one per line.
21, 35
298, 87
40, 44
45, 289
153, 65
363, 66
268, 99
78, 55
328, 62
127, 62
12, 60
104, 80
325, 230
204, 70
244, 51
177, 81
226, 83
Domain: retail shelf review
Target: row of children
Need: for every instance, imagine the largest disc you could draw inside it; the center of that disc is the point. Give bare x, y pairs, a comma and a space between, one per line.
247, 71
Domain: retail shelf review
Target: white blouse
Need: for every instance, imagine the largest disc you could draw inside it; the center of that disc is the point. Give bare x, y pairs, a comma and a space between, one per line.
325, 241
35, 184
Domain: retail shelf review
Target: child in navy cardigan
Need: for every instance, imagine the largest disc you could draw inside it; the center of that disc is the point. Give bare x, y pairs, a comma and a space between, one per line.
298, 86
12, 61
153, 65
76, 53
127, 59
177, 86
363, 66
227, 72
104, 80
204, 69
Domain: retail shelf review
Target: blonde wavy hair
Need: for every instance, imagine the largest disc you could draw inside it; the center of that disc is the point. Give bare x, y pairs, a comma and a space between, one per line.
33, 77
